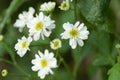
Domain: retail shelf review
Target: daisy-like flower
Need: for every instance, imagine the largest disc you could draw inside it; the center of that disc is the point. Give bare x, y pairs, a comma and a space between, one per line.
76, 33
23, 45
48, 7
43, 63
41, 26
55, 44
65, 5
24, 18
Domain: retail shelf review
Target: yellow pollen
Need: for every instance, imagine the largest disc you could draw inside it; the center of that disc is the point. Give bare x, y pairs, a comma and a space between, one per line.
64, 5
39, 26
24, 44
44, 63
56, 44
74, 33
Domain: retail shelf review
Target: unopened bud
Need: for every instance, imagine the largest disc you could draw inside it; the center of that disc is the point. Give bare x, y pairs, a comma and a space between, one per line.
4, 72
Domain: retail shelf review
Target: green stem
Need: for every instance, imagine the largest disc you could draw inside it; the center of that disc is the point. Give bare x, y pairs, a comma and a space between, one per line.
11, 53
18, 67
4, 60
75, 10
13, 6
66, 66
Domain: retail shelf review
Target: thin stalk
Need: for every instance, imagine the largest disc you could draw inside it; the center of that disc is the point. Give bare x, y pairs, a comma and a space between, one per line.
18, 67
75, 10
4, 60
66, 66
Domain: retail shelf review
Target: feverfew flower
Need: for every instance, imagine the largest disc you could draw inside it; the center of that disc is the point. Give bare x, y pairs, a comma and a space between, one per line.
48, 7
43, 63
23, 45
76, 33
65, 5
41, 26
55, 44
24, 18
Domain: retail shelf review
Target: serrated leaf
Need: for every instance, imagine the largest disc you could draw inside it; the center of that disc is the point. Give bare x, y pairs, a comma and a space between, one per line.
92, 9
114, 72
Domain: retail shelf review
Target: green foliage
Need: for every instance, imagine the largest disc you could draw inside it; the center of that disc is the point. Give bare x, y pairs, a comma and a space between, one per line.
100, 18
114, 72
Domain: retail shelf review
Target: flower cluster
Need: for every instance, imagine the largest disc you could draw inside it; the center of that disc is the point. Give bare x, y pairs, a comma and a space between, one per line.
40, 26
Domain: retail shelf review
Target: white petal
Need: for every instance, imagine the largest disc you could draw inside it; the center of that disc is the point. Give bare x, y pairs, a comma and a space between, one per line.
42, 74
65, 35
36, 36
40, 53
47, 33
76, 24
35, 68
81, 26
73, 43
80, 42
67, 26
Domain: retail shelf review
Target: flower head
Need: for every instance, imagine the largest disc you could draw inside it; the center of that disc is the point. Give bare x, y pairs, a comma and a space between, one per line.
1, 37
23, 45
43, 63
117, 46
48, 7
41, 26
4, 72
55, 44
65, 5
76, 33
24, 18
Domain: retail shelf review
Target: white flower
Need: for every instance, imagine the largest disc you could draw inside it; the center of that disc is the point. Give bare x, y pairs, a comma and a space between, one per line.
41, 26
23, 45
48, 7
76, 33
24, 18
55, 44
65, 5
43, 63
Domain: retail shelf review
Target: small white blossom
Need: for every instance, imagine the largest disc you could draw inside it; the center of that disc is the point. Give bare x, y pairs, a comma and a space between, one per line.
55, 44
76, 33
43, 63
23, 45
24, 18
48, 7
41, 26
65, 5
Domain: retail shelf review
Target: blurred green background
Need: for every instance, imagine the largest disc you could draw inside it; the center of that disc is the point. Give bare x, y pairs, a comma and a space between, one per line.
96, 60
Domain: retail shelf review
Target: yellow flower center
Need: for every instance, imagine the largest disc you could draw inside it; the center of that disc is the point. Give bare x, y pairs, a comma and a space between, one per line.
74, 33
44, 63
24, 44
56, 43
39, 25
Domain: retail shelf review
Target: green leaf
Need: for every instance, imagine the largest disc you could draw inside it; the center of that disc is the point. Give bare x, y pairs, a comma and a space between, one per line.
98, 13
114, 72
93, 10
101, 60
